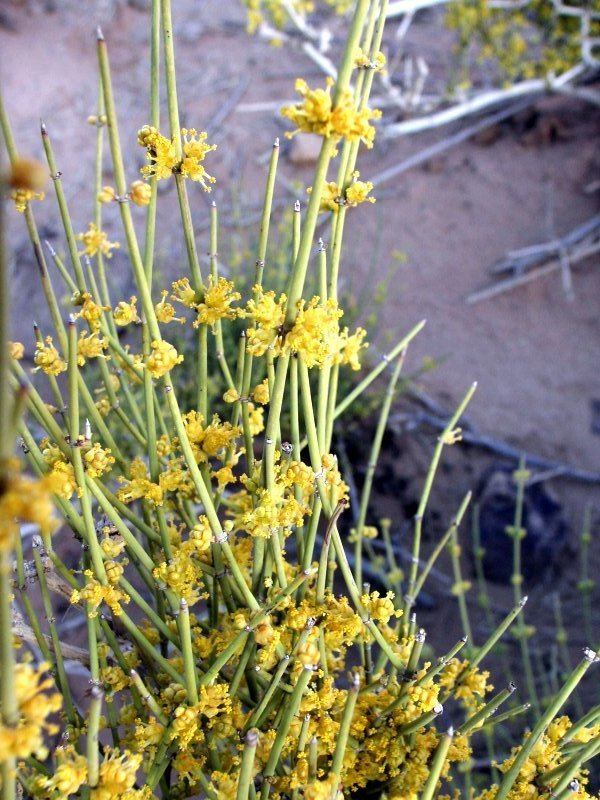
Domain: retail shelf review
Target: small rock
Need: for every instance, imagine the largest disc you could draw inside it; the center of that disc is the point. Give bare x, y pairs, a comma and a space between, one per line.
304, 148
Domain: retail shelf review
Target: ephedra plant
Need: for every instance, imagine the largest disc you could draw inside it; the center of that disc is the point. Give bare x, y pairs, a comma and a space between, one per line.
231, 646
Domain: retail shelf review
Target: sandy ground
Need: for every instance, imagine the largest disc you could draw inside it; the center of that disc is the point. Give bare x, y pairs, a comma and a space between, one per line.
533, 351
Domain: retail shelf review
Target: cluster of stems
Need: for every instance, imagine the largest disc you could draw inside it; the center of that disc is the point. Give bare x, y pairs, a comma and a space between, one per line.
271, 738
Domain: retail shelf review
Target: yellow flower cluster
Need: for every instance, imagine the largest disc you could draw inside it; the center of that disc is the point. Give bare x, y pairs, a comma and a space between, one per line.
209, 441
125, 313
139, 485
91, 312
468, 684
37, 701
139, 193
94, 594
90, 345
165, 311
22, 197
96, 241
356, 193
316, 113
315, 334
544, 757
218, 299
164, 160
162, 359
24, 499
47, 358
362, 60
183, 573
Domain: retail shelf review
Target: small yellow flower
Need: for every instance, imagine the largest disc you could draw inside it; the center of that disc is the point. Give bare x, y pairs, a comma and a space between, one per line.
16, 350
22, 198
96, 241
317, 114
218, 299
255, 419
165, 312
107, 194
452, 437
126, 313
97, 461
194, 153
26, 178
183, 293
26, 500
358, 192
160, 152
164, 160
162, 359
363, 61
350, 346
91, 312
231, 396
47, 358
36, 704
260, 394
94, 594
117, 775
140, 193
90, 346
70, 773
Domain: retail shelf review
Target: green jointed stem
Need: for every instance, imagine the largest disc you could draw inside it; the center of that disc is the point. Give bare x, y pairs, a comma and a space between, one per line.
372, 465
441, 544
93, 727
61, 674
546, 718
344, 731
459, 589
517, 532
478, 719
258, 712
155, 122
290, 711
385, 361
445, 436
189, 668
437, 765
247, 766
497, 719
55, 174
586, 583
147, 697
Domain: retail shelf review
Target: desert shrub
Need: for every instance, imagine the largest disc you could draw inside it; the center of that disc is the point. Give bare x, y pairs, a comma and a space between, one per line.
232, 647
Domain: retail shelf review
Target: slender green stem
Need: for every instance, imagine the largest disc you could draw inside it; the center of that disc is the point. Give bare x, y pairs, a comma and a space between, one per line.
372, 465
437, 765
290, 711
545, 719
247, 765
344, 731
189, 668
55, 174
446, 436
93, 727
